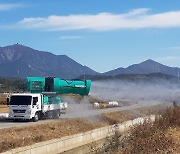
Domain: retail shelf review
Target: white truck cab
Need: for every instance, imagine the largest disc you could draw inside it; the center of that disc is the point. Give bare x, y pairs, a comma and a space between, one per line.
25, 106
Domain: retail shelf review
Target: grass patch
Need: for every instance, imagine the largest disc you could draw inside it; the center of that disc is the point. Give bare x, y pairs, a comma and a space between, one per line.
2, 99
118, 117
11, 138
121, 116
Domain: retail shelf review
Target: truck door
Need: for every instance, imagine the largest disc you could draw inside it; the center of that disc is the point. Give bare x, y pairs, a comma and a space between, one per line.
35, 105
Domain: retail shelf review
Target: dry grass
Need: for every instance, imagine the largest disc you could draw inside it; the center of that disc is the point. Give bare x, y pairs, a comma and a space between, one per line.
118, 117
4, 109
75, 97
23, 136
2, 99
156, 110
121, 116
174, 133
161, 136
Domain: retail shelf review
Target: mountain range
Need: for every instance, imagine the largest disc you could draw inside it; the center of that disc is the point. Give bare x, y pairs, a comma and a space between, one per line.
21, 61
147, 67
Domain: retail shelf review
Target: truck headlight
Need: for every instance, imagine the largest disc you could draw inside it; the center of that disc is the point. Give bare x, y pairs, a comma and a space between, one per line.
29, 111
10, 111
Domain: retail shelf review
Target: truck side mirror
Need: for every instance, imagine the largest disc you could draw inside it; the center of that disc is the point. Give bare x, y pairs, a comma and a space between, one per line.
34, 103
7, 100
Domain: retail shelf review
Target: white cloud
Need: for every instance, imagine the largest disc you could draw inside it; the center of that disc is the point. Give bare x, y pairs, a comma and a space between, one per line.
70, 37
135, 19
5, 7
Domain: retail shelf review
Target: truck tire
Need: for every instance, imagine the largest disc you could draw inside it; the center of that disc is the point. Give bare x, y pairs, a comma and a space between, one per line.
41, 115
56, 114
36, 117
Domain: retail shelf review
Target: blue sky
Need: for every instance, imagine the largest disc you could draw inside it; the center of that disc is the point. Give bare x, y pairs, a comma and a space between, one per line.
101, 34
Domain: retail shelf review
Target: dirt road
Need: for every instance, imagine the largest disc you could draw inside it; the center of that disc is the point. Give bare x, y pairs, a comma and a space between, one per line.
75, 111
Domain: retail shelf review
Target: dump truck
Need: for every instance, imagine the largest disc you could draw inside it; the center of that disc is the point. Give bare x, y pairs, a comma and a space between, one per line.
43, 98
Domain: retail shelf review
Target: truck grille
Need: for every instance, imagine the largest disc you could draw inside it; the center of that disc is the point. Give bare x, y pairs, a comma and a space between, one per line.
19, 111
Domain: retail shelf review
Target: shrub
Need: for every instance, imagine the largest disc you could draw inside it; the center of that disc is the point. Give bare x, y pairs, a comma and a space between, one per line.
148, 137
151, 137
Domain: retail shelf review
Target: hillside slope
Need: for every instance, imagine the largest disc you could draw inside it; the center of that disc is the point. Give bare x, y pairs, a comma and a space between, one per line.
21, 61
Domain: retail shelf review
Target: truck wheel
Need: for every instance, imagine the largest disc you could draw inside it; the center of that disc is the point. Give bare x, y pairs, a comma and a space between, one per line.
41, 115
36, 117
56, 114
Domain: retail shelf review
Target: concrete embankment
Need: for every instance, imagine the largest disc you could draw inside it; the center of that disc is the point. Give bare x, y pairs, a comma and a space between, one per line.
77, 140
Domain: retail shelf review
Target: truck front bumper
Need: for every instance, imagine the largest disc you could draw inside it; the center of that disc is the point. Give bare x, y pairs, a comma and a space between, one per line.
20, 116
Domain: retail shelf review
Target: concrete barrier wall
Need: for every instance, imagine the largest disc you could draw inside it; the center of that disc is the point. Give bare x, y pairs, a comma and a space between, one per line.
4, 115
70, 142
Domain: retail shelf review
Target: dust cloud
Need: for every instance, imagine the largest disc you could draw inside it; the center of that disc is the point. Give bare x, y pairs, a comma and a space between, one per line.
78, 108
128, 94
160, 91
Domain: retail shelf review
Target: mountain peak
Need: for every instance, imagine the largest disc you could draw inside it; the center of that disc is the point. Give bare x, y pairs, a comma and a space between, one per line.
16, 45
24, 61
149, 61
146, 67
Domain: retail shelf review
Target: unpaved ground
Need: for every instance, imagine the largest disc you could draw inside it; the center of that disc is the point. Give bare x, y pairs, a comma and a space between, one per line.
50, 129
86, 110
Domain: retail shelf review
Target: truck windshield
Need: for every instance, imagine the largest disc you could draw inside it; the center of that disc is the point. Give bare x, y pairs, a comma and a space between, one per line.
20, 100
